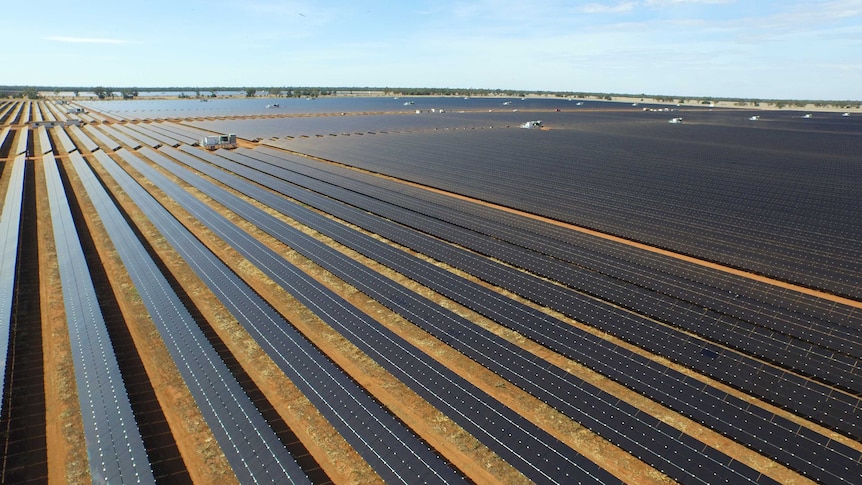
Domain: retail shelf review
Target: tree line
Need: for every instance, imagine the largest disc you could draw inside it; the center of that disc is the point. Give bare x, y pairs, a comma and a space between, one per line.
102, 92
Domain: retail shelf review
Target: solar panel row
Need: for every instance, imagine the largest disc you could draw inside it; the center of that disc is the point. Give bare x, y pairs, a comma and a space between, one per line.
192, 131
5, 111
95, 115
766, 314
10, 225
832, 410
44, 140
83, 139
114, 445
249, 444
665, 386
174, 134
3, 134
392, 450
156, 136
56, 113
49, 112
580, 177
25, 112
485, 418
623, 266
550, 384
133, 132
65, 141
121, 137
819, 363
86, 118
108, 143
21, 148
37, 111
18, 108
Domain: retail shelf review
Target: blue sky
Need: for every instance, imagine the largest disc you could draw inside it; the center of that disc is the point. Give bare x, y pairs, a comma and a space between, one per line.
725, 48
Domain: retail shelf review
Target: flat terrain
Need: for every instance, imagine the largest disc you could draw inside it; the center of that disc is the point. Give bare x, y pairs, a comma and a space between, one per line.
611, 298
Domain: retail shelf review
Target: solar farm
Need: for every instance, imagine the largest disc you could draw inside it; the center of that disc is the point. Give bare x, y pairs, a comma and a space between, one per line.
420, 290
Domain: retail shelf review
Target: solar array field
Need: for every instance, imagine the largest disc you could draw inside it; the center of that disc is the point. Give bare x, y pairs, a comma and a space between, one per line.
421, 291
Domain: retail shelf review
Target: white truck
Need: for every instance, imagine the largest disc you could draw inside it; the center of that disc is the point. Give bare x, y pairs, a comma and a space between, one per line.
532, 124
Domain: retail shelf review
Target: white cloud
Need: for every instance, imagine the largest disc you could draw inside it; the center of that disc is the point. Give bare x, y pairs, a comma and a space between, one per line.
813, 13
624, 7
602, 8
85, 40
661, 3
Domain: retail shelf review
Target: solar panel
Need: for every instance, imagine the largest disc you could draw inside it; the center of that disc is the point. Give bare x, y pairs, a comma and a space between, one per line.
249, 444
137, 134
23, 135
346, 405
109, 143
156, 135
10, 224
488, 302
83, 139
114, 445
44, 140
121, 137
65, 141
3, 134
422, 313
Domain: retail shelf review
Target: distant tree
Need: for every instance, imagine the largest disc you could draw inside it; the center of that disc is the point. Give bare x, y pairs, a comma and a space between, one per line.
30, 93
212, 94
129, 93
100, 92
75, 93
249, 93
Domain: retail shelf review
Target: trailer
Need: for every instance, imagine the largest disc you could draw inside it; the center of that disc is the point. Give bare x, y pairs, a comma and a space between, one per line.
215, 142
